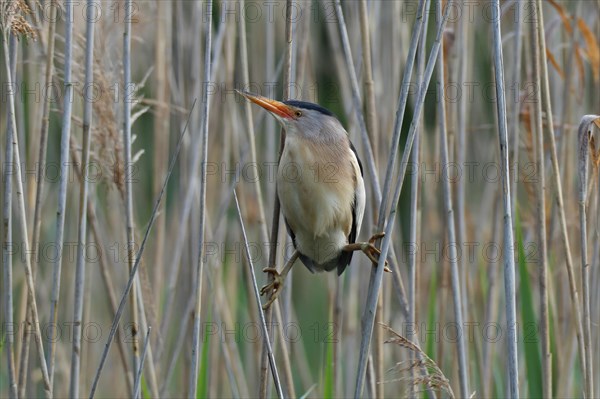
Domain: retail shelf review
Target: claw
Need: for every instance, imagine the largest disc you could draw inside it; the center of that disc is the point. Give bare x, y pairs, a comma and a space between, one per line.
373, 253
272, 270
376, 237
268, 304
274, 287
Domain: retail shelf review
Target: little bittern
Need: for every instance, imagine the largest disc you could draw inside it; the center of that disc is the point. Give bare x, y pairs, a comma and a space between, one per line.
320, 188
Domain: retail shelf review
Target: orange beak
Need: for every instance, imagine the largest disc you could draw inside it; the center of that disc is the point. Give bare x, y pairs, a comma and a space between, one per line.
275, 107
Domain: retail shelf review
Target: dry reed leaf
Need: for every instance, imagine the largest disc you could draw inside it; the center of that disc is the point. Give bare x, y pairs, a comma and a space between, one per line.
527, 139
595, 153
566, 20
580, 67
595, 149
564, 16
554, 63
593, 51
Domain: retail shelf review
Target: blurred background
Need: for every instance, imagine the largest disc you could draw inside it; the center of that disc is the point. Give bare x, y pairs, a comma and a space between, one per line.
317, 324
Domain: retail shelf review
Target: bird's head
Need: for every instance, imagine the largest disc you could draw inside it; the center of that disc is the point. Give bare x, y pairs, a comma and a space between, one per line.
307, 120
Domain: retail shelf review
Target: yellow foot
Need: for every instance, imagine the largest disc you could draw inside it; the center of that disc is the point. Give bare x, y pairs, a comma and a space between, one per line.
274, 287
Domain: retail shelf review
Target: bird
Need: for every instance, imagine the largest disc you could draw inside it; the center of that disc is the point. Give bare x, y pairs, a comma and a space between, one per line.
320, 187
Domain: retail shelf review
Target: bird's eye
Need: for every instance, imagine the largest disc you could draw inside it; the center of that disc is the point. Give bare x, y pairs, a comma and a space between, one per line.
298, 114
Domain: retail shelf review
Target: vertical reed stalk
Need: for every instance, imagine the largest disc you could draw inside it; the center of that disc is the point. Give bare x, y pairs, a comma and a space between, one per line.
547, 108
22, 217
268, 314
516, 111
453, 257
83, 199
461, 149
370, 110
37, 215
369, 160
509, 262
490, 310
64, 178
415, 217
193, 376
7, 239
541, 203
162, 116
187, 206
128, 98
250, 125
418, 30
566, 105
585, 132
371, 122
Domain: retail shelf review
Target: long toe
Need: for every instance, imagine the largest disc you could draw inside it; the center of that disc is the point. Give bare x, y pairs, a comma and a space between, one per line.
273, 287
274, 296
369, 250
272, 270
376, 237
373, 253
266, 288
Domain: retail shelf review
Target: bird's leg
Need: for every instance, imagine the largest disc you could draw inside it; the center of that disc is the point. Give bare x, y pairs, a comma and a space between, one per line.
278, 278
369, 249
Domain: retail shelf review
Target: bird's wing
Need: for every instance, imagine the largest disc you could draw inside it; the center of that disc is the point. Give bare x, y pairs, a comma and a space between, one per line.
310, 265
358, 208
357, 158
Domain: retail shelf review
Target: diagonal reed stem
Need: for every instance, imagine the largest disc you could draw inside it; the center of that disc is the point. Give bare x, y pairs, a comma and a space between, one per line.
261, 313
104, 268
377, 274
119, 313
370, 160
184, 216
138, 377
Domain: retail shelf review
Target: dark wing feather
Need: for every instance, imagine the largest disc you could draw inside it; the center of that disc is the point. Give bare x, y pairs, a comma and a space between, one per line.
310, 265
290, 231
346, 257
357, 158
